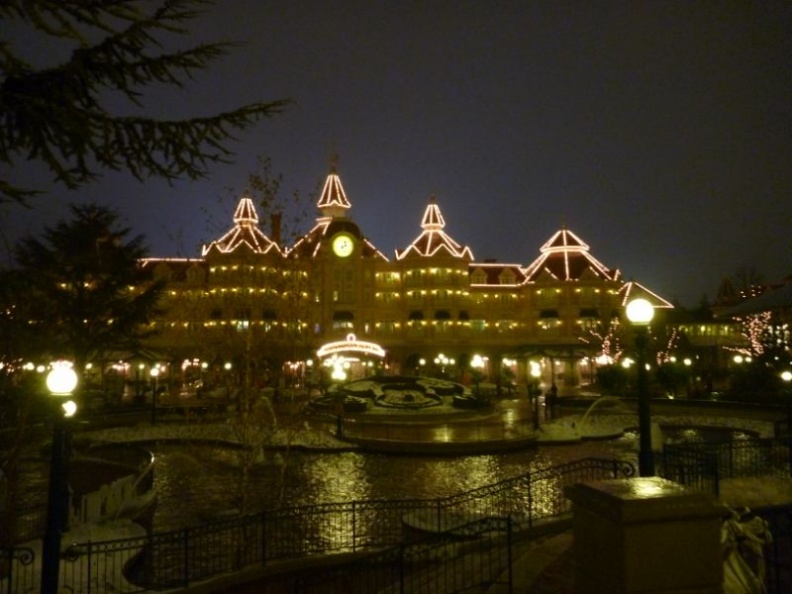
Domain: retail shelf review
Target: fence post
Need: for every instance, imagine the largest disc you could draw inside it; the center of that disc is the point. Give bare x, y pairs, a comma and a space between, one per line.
354, 526
10, 565
530, 499
90, 563
509, 552
263, 520
789, 452
401, 568
186, 546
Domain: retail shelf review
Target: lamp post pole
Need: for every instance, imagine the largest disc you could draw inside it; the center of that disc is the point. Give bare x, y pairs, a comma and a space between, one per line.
155, 376
477, 363
534, 394
61, 382
640, 312
786, 376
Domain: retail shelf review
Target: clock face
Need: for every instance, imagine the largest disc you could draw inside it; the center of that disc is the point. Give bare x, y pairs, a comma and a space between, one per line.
343, 246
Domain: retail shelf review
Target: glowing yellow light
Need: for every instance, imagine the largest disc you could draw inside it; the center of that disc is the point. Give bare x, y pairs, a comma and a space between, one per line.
62, 380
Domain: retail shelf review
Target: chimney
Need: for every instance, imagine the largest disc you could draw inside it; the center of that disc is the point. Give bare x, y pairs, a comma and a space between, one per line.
275, 221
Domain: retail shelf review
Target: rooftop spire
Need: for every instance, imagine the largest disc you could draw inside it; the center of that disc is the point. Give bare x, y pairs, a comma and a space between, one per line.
333, 201
433, 218
245, 213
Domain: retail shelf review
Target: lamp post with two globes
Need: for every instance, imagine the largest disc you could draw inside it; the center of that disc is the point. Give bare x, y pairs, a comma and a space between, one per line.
61, 382
640, 313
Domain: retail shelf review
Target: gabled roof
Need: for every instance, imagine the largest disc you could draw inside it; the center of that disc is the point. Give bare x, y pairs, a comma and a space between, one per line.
775, 298
493, 273
433, 241
566, 257
632, 290
245, 233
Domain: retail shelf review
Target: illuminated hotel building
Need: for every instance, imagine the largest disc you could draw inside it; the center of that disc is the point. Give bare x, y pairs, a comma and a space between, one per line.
249, 294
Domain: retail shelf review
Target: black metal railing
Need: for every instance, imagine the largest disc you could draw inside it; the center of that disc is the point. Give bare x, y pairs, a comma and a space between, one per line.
179, 558
467, 558
704, 465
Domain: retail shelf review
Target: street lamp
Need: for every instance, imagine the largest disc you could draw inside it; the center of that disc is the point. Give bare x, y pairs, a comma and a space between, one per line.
155, 376
61, 381
477, 363
786, 376
535, 391
640, 312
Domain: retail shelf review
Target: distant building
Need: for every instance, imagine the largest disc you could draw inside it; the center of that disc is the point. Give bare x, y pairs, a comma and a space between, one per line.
432, 306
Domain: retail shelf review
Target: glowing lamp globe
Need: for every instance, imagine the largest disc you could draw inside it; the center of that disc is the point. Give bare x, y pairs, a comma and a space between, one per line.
786, 376
640, 312
62, 379
69, 408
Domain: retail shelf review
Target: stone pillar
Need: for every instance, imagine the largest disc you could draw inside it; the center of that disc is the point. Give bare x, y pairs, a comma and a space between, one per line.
645, 535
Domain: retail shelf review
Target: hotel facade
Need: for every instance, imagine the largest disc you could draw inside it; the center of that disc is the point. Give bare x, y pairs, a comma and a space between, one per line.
249, 300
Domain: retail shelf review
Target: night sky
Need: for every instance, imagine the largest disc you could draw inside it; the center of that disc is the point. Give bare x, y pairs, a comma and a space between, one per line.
659, 132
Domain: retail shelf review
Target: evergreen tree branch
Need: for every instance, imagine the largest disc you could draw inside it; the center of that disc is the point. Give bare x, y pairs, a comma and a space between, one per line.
55, 115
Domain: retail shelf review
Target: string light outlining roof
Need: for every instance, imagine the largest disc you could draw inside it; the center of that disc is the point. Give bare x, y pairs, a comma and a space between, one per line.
333, 204
333, 201
433, 239
566, 257
245, 232
632, 290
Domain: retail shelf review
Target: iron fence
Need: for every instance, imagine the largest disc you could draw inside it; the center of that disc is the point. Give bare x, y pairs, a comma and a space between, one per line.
704, 465
179, 558
468, 557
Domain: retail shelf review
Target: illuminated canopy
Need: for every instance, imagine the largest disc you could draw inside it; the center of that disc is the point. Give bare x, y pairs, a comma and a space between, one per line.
351, 344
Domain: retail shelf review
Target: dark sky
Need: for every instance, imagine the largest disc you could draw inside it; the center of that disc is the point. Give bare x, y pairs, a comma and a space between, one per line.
659, 132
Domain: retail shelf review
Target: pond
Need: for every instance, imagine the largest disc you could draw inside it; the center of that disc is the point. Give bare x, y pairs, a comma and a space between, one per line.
197, 484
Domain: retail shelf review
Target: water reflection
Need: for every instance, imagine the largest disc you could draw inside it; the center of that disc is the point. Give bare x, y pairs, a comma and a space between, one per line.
200, 483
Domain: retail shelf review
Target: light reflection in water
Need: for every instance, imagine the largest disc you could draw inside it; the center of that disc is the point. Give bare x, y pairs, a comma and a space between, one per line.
198, 483
337, 478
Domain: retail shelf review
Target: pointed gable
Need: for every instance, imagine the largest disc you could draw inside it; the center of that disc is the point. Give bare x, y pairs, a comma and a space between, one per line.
632, 290
566, 257
433, 240
245, 233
